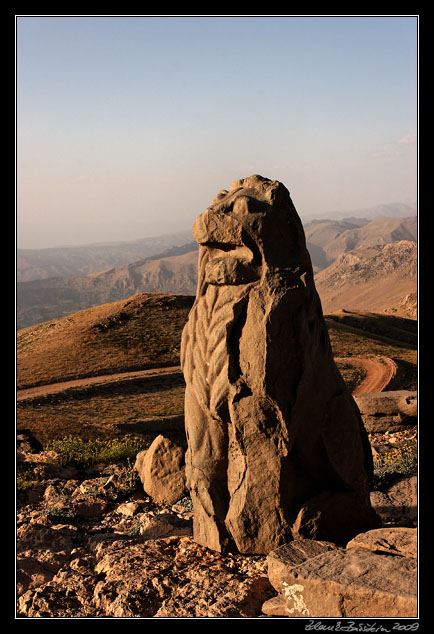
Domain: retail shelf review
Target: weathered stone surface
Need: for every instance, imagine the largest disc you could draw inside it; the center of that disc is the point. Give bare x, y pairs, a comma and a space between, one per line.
163, 578
397, 504
395, 541
270, 422
286, 557
41, 552
375, 576
317, 517
161, 470
388, 411
164, 525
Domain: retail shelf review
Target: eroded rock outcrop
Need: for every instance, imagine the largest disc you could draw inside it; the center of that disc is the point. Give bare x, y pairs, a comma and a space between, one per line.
276, 445
375, 575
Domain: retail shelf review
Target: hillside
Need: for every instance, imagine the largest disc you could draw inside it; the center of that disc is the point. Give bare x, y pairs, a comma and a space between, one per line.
141, 332
38, 264
375, 278
328, 240
43, 300
129, 352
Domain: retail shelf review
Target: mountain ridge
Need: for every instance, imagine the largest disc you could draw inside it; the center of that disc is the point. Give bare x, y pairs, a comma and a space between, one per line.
33, 264
175, 270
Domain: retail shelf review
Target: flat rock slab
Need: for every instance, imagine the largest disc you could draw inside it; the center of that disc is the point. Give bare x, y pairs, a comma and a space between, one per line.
395, 540
388, 411
286, 557
375, 576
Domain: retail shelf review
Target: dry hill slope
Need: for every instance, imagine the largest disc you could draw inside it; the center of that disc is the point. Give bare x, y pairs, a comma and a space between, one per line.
329, 239
141, 332
43, 300
130, 351
373, 279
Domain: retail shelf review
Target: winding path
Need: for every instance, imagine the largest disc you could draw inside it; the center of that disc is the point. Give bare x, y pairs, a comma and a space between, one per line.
379, 372
53, 388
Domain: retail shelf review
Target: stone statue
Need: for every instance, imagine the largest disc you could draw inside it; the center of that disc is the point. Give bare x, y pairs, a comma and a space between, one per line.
276, 445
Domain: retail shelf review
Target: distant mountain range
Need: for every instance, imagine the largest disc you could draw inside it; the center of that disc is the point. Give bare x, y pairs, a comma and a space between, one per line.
388, 210
39, 264
175, 270
326, 240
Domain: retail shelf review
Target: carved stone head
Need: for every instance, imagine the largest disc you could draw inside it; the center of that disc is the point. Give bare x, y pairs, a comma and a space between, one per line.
248, 232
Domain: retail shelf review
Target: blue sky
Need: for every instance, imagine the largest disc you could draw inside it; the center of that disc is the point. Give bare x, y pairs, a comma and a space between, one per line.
127, 126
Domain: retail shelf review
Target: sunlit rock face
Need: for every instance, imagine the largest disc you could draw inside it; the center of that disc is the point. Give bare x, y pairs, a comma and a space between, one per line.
276, 445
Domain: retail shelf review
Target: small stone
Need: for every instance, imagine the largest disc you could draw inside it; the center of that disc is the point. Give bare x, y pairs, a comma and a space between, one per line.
51, 492
128, 508
91, 508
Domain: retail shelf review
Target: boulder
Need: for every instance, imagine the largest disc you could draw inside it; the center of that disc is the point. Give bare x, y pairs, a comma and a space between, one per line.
388, 411
274, 434
161, 470
375, 576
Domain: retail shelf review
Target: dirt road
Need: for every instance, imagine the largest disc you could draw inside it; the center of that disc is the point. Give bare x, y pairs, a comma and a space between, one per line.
54, 388
379, 372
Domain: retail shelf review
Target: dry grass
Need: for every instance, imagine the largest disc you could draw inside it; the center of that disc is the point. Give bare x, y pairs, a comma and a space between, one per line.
398, 462
348, 341
97, 412
138, 333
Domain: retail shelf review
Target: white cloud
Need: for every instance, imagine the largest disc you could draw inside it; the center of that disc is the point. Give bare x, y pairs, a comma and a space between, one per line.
408, 139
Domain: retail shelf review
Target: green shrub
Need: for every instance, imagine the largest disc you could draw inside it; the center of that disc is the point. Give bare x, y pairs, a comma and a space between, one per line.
75, 450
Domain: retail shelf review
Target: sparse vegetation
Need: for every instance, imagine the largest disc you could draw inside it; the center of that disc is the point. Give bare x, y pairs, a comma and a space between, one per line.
99, 413
75, 450
401, 461
26, 479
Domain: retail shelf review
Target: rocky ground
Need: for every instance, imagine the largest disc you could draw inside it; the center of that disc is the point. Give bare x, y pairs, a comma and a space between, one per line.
91, 543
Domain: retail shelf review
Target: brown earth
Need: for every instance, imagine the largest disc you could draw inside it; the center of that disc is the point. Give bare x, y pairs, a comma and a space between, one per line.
54, 388
379, 372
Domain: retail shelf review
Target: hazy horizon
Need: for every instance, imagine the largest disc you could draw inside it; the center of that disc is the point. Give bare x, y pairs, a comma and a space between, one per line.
127, 126
330, 215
